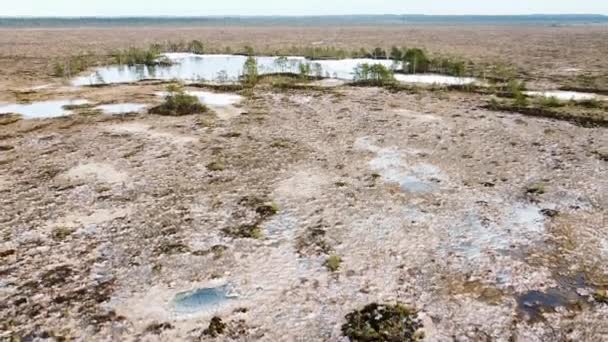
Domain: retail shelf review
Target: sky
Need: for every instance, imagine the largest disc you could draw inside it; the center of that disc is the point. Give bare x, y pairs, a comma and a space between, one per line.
300, 7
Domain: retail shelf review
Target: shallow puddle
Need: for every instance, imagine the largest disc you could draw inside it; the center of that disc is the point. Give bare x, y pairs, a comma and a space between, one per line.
434, 79
42, 109
564, 95
121, 108
533, 304
418, 178
204, 299
220, 68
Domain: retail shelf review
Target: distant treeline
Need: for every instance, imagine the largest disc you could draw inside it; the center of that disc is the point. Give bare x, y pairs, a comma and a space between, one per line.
544, 20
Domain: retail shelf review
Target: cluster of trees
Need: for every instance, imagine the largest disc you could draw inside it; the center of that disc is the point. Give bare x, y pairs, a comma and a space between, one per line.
376, 74
415, 60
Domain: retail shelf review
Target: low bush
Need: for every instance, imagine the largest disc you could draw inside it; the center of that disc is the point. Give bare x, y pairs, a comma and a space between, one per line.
178, 102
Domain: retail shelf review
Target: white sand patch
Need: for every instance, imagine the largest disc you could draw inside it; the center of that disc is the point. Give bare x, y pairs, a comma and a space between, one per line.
139, 128
417, 116
564, 95
42, 109
98, 216
302, 185
99, 171
122, 108
434, 79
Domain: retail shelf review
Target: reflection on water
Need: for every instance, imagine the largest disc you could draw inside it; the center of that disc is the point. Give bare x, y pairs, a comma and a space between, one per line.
221, 68
564, 95
434, 79
42, 109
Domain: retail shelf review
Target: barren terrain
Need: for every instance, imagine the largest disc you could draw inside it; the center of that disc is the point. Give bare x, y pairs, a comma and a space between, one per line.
492, 225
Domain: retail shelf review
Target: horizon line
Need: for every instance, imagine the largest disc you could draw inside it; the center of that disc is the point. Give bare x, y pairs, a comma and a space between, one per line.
287, 15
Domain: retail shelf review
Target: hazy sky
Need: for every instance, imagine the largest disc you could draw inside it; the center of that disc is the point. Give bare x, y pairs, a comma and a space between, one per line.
289, 7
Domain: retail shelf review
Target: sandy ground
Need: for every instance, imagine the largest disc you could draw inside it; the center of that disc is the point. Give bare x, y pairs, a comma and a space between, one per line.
492, 225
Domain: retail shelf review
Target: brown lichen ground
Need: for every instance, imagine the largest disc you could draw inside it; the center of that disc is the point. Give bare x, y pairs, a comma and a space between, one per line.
105, 219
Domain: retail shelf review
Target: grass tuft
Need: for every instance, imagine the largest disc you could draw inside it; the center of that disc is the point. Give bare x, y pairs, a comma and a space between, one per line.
333, 263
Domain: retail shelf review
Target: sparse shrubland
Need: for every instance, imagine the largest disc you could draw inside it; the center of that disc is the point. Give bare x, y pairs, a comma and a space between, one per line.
137, 56
588, 113
73, 65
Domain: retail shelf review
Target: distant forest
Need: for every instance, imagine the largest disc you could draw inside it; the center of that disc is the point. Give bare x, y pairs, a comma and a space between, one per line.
342, 20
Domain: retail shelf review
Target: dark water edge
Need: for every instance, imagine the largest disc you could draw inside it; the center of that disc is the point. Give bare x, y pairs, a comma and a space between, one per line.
354, 20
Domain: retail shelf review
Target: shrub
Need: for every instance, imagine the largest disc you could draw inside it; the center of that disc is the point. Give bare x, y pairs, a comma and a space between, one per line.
304, 70
515, 89
379, 53
177, 102
396, 54
58, 69
376, 323
196, 47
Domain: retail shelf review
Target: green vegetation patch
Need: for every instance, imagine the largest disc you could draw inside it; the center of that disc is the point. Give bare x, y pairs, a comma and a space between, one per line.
177, 103
333, 263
